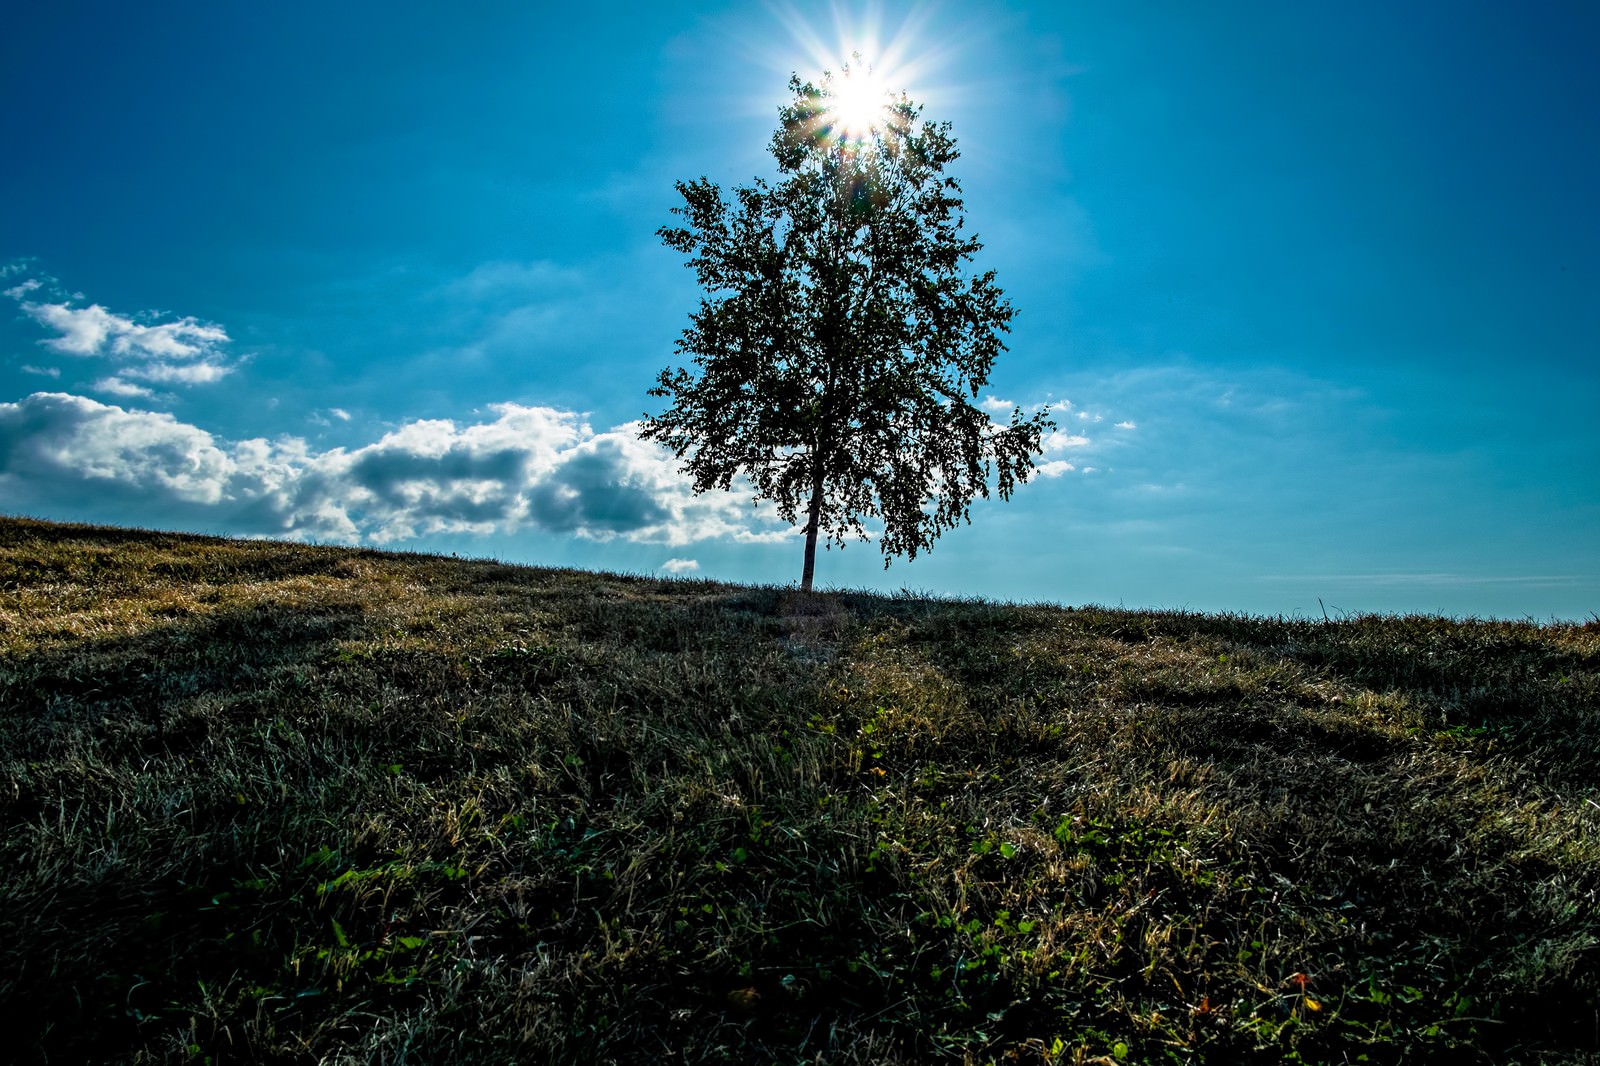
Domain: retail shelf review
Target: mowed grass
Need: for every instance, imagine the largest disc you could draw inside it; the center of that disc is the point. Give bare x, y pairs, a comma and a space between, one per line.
264, 802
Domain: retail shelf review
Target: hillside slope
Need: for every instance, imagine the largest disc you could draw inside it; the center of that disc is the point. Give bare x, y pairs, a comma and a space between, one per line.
268, 802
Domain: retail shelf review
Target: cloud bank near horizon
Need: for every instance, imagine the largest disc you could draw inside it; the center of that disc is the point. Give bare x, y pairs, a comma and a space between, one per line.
523, 468
513, 467
517, 467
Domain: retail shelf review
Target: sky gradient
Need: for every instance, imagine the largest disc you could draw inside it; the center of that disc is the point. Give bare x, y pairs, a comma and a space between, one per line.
1313, 285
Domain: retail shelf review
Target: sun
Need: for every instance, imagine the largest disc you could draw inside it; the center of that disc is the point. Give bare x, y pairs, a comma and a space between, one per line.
867, 67
874, 73
858, 100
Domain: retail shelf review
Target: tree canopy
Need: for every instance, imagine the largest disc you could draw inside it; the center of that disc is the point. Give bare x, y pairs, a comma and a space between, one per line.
840, 342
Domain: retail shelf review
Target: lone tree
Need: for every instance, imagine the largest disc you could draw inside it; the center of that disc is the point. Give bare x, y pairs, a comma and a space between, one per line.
839, 344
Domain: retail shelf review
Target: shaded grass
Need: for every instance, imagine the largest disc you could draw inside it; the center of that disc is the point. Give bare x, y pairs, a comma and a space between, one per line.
268, 802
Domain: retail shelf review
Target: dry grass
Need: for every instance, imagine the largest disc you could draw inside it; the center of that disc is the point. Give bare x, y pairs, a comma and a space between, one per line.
265, 802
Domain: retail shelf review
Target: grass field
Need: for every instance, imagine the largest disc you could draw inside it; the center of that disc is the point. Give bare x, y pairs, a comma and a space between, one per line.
265, 802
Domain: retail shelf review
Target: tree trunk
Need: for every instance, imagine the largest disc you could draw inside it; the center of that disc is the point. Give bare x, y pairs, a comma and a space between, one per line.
813, 522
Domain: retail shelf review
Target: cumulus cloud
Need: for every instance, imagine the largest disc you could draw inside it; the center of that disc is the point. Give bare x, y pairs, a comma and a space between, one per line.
203, 373
116, 386
1060, 442
93, 330
52, 437
1054, 468
179, 351
520, 468
1127, 425
680, 566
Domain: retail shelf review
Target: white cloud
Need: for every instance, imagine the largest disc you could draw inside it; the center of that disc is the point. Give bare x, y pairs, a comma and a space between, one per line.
93, 330
996, 405
1060, 442
680, 566
519, 468
180, 351
328, 417
1074, 440
42, 371
118, 387
57, 439
180, 374
528, 467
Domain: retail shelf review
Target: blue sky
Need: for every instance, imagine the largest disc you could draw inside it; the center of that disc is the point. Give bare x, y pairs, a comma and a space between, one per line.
1318, 282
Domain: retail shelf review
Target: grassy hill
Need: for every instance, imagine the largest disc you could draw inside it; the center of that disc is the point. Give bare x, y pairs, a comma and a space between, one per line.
264, 802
